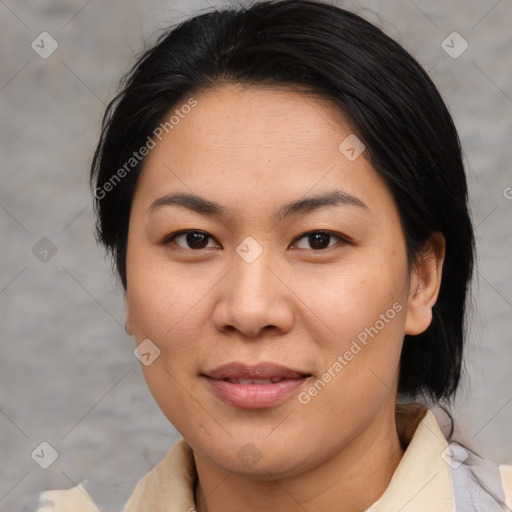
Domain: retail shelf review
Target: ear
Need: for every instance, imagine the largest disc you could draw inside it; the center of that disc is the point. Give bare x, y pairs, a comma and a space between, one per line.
128, 326
425, 283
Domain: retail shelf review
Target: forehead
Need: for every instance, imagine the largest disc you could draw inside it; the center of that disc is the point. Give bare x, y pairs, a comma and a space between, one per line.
266, 121
261, 144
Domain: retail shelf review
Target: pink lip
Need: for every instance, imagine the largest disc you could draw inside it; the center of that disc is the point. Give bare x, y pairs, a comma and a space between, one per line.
254, 396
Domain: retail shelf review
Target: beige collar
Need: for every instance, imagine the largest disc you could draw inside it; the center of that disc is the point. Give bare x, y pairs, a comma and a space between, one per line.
422, 481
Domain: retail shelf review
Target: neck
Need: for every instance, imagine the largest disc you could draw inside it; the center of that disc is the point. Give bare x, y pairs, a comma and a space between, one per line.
350, 480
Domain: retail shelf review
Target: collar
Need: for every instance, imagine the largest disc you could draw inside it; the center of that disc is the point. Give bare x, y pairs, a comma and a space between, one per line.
422, 480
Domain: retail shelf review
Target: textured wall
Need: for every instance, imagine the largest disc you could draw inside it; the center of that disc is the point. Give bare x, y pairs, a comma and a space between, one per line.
67, 369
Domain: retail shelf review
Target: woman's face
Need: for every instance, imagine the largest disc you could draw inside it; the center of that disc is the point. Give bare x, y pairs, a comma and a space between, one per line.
311, 300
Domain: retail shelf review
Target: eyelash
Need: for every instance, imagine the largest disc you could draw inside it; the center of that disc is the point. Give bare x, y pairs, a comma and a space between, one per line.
170, 238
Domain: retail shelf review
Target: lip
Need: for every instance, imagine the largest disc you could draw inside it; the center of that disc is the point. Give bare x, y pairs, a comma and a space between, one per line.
283, 382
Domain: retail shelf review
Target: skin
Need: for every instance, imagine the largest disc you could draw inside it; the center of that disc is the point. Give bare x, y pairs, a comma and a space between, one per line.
252, 149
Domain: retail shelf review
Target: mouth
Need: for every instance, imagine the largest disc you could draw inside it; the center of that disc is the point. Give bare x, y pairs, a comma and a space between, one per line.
254, 386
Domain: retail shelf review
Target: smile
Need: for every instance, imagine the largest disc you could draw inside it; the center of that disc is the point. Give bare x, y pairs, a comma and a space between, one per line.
254, 386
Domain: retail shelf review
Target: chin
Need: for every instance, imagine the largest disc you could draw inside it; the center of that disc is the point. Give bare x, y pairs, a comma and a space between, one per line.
262, 458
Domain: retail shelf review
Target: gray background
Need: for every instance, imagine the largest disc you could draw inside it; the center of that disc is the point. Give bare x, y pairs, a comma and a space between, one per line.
67, 369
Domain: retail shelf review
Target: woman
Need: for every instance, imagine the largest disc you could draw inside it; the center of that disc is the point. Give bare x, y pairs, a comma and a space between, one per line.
283, 193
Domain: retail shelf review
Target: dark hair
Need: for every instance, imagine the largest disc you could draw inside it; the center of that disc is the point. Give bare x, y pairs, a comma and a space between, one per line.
390, 101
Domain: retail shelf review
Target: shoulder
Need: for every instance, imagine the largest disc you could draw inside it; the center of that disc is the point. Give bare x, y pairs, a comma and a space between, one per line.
506, 479
171, 480
67, 500
174, 475
479, 480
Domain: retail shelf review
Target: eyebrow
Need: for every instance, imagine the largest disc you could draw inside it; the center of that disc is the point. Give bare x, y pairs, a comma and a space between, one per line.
198, 204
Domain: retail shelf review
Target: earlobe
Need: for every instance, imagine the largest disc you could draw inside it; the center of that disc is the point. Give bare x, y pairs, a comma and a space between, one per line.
425, 284
128, 326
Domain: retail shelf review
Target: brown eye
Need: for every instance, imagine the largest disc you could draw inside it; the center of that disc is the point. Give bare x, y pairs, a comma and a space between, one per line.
319, 240
192, 239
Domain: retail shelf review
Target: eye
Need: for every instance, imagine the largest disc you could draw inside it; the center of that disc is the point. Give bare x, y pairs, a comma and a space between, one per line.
197, 240
193, 238
319, 240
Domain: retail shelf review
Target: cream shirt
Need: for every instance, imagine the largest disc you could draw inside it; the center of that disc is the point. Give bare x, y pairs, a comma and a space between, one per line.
422, 482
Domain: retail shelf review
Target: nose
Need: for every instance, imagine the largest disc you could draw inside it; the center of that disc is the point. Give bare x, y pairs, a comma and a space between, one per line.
254, 299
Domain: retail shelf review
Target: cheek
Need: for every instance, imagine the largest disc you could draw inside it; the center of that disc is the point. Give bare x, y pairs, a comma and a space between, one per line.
360, 315
359, 371
166, 311
161, 299
353, 296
